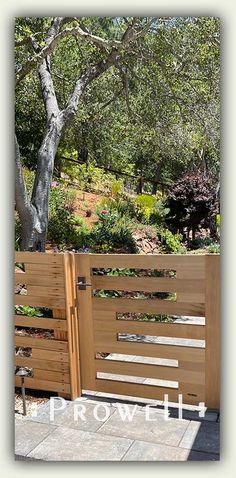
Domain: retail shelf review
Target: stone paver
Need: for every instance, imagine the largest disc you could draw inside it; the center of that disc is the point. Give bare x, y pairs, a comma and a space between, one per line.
157, 431
80, 415
202, 436
29, 434
125, 431
67, 444
143, 451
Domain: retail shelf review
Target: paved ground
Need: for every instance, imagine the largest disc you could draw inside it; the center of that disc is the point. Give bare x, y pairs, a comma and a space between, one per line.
111, 429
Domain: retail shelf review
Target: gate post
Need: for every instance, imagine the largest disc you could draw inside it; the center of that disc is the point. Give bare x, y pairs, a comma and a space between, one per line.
72, 324
212, 285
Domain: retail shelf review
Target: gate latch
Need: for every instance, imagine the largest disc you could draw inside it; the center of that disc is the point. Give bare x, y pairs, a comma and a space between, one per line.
82, 284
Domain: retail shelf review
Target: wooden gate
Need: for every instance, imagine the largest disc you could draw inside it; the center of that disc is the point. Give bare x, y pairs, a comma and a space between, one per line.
152, 317
124, 347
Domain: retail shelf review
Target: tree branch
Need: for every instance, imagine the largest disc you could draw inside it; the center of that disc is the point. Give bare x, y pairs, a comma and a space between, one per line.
129, 35
50, 46
97, 70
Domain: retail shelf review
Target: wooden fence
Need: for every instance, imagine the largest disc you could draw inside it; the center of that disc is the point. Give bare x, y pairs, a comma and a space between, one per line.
76, 357
48, 281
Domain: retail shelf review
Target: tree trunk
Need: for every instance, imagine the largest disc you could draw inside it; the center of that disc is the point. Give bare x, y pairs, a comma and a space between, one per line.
157, 177
34, 214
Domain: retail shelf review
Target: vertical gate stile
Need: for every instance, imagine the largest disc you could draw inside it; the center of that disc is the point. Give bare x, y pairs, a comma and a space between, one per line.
86, 333
212, 265
60, 335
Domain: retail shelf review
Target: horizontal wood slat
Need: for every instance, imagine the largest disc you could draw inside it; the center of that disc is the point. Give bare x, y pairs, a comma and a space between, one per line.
149, 371
150, 391
44, 268
107, 343
41, 343
37, 384
41, 364
38, 257
53, 355
53, 280
148, 284
51, 302
190, 297
148, 306
149, 328
193, 265
51, 375
41, 291
40, 323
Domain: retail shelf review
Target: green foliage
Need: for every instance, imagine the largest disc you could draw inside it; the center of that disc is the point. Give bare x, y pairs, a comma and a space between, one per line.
159, 213
122, 273
117, 187
63, 227
124, 206
218, 223
108, 293
89, 178
29, 180
156, 318
112, 232
29, 311
150, 209
18, 229
214, 248
173, 100
145, 206
199, 243
171, 243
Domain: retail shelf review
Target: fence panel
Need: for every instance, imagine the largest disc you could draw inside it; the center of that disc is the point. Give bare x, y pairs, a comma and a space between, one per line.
46, 281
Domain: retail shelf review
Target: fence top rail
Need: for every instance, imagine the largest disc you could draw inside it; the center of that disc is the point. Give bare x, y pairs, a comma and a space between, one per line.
39, 257
189, 262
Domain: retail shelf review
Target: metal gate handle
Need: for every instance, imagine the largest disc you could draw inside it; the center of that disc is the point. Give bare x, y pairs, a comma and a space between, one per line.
82, 284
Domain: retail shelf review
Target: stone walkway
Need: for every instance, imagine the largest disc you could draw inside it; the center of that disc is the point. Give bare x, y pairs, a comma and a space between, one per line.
113, 429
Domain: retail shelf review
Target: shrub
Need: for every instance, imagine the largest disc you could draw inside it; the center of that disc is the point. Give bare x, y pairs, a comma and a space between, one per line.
63, 226
123, 206
171, 242
191, 201
112, 231
199, 243
159, 213
145, 205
